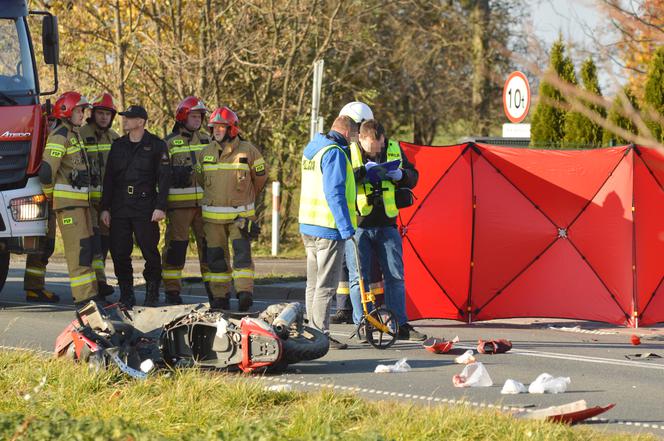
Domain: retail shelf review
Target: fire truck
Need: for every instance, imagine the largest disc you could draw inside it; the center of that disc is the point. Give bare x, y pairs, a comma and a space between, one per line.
23, 128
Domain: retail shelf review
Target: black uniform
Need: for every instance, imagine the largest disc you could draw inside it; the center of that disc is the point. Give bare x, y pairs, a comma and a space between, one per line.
136, 182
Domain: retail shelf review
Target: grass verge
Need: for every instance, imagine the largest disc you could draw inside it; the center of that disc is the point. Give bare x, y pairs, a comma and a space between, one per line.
77, 403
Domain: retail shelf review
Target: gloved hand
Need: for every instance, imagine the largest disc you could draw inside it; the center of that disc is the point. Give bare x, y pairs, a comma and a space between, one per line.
181, 177
79, 178
369, 165
395, 175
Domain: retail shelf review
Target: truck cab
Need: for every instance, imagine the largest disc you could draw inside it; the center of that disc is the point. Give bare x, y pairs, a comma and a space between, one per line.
23, 130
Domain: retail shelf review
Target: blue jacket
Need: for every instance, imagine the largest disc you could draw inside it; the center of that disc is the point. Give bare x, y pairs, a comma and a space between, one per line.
333, 165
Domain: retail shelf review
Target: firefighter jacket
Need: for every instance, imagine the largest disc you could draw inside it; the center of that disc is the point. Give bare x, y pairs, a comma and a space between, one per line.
64, 172
183, 146
97, 143
137, 178
231, 173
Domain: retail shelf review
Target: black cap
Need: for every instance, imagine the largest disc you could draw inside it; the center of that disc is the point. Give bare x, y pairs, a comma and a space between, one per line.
135, 112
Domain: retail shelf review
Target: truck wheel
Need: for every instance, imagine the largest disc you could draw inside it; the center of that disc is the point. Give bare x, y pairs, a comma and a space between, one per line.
4, 268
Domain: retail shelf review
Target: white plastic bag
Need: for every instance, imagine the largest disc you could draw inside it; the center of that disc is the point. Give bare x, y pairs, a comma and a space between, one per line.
465, 358
399, 366
513, 387
547, 384
473, 375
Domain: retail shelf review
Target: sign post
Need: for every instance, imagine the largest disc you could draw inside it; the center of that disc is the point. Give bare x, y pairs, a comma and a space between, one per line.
516, 104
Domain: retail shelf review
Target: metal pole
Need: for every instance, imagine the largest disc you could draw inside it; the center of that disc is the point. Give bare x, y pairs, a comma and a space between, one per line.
315, 97
276, 201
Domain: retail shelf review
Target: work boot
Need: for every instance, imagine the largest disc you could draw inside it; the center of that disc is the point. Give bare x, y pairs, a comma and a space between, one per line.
220, 304
336, 344
127, 296
151, 294
244, 300
342, 316
173, 298
104, 289
407, 332
41, 295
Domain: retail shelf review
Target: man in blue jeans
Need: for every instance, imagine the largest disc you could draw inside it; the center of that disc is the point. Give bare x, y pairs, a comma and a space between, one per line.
377, 208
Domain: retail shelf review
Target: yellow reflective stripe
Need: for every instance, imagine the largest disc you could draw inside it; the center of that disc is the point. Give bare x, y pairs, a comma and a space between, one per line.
58, 147
91, 147
243, 274
72, 150
217, 277
98, 264
225, 166
228, 213
35, 271
185, 197
70, 195
82, 280
103, 147
171, 274
227, 216
343, 291
47, 190
187, 148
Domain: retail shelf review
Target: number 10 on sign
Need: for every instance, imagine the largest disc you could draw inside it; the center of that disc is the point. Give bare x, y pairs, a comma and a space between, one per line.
516, 97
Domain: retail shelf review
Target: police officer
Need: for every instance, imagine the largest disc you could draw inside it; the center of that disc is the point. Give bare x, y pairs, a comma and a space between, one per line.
232, 172
184, 209
66, 177
134, 199
97, 136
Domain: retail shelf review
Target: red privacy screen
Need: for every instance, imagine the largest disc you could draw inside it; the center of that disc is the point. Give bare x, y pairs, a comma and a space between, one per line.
499, 232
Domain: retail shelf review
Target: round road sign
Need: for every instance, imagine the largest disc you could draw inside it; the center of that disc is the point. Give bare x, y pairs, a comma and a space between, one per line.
516, 97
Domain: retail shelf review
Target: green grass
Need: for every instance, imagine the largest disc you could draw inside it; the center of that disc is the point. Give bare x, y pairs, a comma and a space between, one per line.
77, 403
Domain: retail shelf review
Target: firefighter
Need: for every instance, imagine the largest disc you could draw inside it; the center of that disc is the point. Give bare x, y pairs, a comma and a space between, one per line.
66, 177
35, 264
184, 209
232, 173
97, 136
136, 182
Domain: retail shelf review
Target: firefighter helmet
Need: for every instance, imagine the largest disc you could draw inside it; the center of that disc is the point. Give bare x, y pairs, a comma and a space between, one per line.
224, 115
357, 111
105, 101
187, 105
66, 103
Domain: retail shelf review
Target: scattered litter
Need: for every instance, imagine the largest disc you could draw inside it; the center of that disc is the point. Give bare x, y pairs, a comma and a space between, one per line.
465, 358
439, 345
147, 365
513, 387
644, 356
280, 388
473, 375
635, 340
567, 413
546, 383
493, 346
399, 366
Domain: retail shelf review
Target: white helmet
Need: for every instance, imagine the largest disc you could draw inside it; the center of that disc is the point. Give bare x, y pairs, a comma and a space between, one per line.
357, 111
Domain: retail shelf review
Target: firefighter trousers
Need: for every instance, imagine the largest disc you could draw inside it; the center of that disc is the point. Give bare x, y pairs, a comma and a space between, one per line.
178, 223
98, 257
75, 226
35, 264
220, 239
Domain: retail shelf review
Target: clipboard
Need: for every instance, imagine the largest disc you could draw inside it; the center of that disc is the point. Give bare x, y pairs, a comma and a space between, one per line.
377, 173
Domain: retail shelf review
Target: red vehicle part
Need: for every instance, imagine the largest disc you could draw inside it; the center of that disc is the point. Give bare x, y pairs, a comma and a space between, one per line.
259, 342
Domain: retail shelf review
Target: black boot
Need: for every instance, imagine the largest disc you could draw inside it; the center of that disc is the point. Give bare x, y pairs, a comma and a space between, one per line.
104, 289
151, 294
245, 300
173, 298
220, 304
127, 296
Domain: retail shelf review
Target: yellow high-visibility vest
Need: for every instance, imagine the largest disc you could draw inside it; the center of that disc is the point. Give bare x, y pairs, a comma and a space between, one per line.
314, 209
365, 189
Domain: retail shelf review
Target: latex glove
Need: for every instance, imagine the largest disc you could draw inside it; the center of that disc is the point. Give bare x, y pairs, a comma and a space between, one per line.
158, 215
369, 165
395, 175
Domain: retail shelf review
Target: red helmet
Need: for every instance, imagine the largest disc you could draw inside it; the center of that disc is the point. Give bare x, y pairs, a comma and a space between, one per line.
187, 105
105, 101
65, 104
224, 115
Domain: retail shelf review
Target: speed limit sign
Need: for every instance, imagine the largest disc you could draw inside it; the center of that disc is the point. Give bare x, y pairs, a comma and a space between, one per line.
516, 97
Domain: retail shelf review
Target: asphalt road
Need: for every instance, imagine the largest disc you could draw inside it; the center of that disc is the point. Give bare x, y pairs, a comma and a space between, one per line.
593, 356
